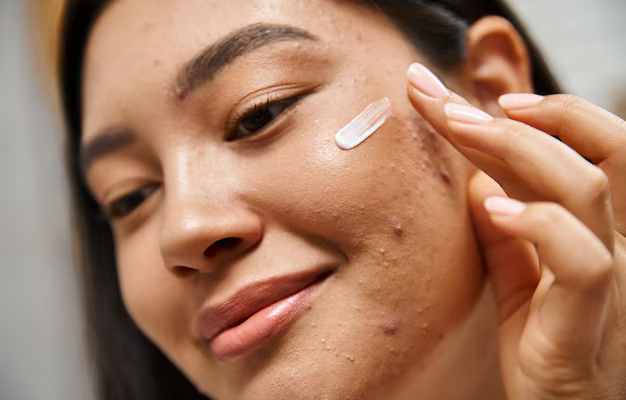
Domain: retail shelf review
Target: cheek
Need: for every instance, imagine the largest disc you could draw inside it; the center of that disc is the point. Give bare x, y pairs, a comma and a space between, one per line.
396, 203
395, 206
152, 298
400, 181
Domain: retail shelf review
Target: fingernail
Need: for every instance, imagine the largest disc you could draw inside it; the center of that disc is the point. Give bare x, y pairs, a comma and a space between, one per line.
519, 100
463, 113
426, 82
504, 206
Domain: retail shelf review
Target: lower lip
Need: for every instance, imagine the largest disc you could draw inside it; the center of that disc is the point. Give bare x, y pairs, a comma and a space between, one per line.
262, 325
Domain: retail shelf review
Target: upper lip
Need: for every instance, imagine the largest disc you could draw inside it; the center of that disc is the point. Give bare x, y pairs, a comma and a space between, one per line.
252, 298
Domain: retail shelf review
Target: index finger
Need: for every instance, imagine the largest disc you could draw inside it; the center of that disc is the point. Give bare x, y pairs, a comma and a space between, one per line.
593, 132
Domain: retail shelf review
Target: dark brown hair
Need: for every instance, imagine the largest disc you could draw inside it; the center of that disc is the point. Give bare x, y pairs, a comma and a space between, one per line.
128, 365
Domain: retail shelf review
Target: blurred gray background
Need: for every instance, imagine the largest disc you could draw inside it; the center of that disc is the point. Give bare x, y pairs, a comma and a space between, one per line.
41, 344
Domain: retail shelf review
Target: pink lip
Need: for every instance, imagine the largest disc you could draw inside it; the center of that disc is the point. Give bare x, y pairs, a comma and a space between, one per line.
257, 312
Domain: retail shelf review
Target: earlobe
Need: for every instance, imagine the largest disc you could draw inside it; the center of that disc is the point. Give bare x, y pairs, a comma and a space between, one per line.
497, 62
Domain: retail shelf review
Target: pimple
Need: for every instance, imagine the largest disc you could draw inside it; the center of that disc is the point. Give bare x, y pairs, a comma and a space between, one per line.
425, 329
390, 325
156, 63
398, 231
149, 25
397, 227
445, 175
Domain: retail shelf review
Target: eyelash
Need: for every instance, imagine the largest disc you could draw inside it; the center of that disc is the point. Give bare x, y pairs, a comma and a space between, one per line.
125, 205
268, 105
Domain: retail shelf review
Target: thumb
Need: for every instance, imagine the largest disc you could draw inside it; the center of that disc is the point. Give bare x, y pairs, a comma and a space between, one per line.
512, 263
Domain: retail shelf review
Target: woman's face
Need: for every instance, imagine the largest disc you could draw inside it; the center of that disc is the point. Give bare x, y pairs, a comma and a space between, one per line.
218, 211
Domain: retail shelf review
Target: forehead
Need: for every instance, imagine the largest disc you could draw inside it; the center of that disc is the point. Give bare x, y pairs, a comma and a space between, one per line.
138, 46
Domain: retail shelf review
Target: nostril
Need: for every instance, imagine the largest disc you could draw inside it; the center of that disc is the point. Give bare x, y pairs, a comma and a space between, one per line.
183, 271
222, 245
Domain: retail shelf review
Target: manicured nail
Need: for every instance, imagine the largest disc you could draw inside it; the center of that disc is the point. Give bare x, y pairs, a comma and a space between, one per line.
504, 206
463, 113
519, 100
426, 82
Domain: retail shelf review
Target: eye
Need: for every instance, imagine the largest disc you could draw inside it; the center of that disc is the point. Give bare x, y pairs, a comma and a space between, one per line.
259, 118
125, 205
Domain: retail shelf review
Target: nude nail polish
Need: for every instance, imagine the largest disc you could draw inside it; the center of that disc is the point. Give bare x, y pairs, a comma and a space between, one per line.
519, 100
463, 113
426, 82
504, 206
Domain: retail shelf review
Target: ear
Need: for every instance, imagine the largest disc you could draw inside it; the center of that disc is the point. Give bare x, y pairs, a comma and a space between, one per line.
497, 62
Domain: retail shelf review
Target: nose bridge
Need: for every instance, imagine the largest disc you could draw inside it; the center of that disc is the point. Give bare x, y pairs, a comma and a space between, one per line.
204, 224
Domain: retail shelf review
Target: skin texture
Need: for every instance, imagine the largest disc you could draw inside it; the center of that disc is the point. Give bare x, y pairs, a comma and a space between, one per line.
405, 303
404, 311
556, 261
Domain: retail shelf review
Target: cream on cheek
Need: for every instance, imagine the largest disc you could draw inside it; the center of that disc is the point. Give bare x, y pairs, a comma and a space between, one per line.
364, 125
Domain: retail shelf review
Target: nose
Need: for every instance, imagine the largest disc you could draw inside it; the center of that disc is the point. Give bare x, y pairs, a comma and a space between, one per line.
199, 237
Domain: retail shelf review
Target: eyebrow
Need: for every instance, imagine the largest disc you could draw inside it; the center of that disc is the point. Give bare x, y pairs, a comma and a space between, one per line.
198, 71
203, 67
110, 141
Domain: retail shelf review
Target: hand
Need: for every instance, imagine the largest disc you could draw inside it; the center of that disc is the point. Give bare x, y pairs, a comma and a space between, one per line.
557, 261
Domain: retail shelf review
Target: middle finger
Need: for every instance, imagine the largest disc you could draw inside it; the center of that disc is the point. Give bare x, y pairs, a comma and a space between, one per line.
549, 167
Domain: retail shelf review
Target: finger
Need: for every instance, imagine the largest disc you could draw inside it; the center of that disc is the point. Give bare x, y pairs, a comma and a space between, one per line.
428, 95
567, 321
514, 154
511, 262
592, 131
555, 171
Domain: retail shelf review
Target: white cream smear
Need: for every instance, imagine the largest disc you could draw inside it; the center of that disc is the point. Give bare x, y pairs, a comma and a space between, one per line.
364, 125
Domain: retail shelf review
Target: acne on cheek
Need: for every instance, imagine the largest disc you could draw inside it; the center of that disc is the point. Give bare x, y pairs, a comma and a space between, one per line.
375, 115
390, 325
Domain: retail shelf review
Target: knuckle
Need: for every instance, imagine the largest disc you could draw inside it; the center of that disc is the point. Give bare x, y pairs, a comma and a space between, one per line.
546, 216
621, 127
513, 133
596, 186
600, 271
570, 103
553, 369
596, 269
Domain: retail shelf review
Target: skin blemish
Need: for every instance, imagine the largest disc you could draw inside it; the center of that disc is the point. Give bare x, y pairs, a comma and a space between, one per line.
398, 230
444, 174
364, 125
148, 26
390, 326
